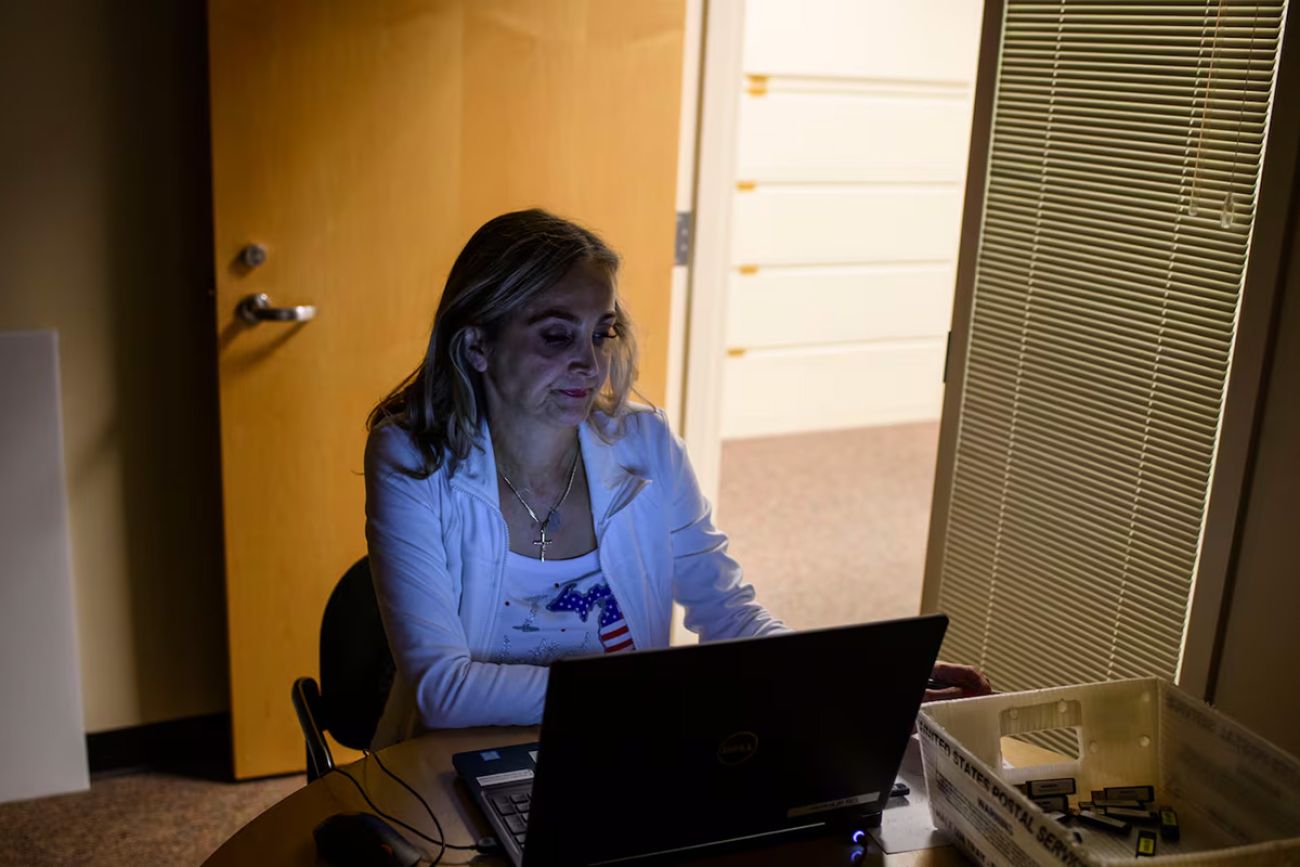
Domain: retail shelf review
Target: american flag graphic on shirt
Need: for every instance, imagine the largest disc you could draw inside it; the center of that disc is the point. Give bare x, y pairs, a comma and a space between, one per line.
614, 634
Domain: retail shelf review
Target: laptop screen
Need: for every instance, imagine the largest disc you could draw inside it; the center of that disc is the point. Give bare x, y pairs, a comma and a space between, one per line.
665, 750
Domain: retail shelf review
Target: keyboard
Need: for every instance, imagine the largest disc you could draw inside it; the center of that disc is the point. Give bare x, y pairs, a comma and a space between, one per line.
511, 804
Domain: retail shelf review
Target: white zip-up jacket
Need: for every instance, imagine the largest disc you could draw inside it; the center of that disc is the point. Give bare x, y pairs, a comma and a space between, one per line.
438, 555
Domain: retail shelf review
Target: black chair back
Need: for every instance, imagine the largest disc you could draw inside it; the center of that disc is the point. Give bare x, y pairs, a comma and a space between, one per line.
356, 666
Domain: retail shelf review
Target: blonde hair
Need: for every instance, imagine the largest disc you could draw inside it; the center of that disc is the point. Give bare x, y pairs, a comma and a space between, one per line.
507, 263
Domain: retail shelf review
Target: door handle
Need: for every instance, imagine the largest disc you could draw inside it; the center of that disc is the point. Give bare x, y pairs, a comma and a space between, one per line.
257, 308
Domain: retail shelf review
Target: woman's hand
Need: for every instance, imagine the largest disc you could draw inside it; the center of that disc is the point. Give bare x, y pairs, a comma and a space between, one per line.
957, 681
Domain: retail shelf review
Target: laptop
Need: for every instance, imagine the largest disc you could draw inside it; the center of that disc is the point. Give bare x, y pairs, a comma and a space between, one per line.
662, 754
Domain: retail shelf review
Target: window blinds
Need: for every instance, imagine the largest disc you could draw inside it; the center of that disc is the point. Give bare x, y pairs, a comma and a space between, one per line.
1124, 157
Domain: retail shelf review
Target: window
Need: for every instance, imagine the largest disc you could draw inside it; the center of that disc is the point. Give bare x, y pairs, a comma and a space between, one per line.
1124, 157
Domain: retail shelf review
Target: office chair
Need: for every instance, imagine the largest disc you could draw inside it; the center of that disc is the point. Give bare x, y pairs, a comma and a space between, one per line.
356, 672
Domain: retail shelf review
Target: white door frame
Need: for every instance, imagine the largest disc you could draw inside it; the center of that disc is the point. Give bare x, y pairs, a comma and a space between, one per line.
706, 165
687, 139
720, 82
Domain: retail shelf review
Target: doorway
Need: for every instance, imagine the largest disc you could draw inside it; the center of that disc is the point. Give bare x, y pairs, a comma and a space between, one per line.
832, 163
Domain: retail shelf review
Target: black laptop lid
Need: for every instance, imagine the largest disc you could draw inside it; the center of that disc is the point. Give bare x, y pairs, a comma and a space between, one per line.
659, 750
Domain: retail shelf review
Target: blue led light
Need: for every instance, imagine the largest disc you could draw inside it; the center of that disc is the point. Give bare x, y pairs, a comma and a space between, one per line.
859, 836
856, 854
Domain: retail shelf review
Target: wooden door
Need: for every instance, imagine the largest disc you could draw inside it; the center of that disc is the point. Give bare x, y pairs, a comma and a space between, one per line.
360, 143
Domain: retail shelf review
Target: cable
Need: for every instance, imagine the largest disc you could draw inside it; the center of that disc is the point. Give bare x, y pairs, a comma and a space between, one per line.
442, 846
383, 767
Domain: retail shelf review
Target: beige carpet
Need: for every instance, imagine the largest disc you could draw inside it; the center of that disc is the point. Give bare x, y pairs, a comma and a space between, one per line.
141, 820
829, 527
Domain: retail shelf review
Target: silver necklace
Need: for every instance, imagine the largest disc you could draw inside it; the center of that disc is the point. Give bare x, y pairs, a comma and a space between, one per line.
543, 540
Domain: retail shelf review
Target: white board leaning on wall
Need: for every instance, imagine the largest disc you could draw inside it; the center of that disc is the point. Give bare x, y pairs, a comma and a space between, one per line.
42, 728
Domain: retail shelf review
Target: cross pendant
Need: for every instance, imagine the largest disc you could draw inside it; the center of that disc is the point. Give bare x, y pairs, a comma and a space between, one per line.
542, 543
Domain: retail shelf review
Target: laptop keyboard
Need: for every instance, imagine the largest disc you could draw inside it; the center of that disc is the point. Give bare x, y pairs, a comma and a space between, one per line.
511, 804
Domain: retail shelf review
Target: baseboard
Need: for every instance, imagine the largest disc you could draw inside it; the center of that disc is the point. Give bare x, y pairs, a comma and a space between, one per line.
197, 746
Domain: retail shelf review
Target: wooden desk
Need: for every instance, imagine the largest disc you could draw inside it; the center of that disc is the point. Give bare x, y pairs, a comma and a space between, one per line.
283, 834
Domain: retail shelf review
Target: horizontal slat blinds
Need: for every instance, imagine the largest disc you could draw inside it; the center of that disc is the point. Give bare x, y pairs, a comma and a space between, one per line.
1125, 152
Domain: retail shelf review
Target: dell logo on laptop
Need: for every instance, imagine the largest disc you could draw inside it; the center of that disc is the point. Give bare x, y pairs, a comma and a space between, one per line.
738, 748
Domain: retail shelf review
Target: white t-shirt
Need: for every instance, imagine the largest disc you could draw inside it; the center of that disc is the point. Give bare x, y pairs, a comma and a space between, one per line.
557, 608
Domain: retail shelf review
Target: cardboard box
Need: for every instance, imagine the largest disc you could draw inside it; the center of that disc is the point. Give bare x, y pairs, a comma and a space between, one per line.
1237, 795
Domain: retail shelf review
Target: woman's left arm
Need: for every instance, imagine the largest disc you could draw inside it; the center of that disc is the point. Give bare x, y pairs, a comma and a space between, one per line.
951, 680
706, 580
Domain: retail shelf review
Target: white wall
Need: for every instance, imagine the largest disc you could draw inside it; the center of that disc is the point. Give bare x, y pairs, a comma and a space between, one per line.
852, 139
106, 237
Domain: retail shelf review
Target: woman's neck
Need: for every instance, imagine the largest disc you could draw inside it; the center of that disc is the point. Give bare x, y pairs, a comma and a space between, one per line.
535, 457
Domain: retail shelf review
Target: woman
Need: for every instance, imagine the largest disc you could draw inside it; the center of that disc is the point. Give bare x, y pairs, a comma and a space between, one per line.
519, 508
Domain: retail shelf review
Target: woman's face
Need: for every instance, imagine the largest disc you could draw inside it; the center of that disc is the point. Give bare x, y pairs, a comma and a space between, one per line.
550, 359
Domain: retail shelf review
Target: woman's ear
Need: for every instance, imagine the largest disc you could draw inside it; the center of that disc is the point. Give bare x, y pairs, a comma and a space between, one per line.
476, 348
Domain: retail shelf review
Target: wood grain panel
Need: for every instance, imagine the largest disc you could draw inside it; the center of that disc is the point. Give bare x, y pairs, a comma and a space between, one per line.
575, 106
362, 142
